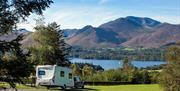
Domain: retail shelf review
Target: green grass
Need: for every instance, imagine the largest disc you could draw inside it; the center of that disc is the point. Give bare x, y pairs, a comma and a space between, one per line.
17, 85
151, 87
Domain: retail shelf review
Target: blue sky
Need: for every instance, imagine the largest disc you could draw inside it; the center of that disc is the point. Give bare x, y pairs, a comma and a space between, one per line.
78, 13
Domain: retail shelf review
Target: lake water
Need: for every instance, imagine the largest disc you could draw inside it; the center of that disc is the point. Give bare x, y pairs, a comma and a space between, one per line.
113, 64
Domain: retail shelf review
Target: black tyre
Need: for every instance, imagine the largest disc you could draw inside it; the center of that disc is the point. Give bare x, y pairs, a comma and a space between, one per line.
48, 87
64, 86
75, 86
82, 86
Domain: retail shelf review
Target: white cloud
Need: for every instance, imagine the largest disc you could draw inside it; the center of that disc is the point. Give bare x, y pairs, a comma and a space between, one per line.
79, 16
27, 26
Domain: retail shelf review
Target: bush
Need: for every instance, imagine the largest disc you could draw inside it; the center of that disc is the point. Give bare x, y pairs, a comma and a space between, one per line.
118, 75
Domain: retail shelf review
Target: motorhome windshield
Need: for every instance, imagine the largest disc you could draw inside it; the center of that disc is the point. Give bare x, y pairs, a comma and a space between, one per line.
77, 79
45, 72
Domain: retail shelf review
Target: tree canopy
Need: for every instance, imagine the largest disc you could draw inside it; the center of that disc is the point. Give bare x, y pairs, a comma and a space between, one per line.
170, 77
13, 62
14, 11
50, 46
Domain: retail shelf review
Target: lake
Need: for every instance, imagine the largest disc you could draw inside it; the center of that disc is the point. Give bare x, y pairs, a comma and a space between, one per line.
114, 64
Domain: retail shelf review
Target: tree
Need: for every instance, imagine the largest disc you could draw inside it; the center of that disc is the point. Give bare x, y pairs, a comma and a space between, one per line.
76, 70
170, 76
13, 62
141, 77
127, 66
87, 71
13, 11
145, 77
50, 46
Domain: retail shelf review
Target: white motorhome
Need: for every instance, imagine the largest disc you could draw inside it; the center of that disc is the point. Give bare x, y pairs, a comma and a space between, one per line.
53, 75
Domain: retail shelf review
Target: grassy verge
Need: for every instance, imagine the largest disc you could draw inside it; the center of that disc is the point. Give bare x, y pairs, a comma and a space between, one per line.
141, 87
151, 87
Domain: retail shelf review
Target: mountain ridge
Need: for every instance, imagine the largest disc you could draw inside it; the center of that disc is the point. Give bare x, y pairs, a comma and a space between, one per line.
124, 32
130, 31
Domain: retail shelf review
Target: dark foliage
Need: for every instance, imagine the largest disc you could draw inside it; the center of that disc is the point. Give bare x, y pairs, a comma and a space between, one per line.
12, 11
13, 62
154, 67
95, 67
13, 69
170, 76
119, 53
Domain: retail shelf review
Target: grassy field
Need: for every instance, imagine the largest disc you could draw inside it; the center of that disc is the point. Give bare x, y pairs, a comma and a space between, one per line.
152, 87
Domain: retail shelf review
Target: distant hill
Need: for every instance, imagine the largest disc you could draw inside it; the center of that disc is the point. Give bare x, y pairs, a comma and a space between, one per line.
129, 31
94, 37
12, 35
164, 34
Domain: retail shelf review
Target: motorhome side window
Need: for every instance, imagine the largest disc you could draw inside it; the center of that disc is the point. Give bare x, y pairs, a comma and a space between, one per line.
41, 72
62, 73
70, 75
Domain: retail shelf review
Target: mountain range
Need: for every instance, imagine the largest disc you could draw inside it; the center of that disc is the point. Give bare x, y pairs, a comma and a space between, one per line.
129, 31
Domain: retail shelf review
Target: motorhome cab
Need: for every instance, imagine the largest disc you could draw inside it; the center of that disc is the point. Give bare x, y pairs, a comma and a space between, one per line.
53, 75
78, 82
